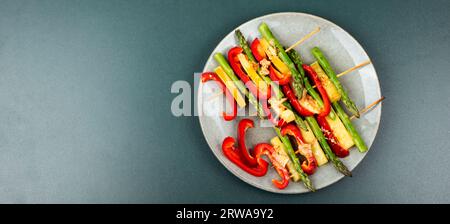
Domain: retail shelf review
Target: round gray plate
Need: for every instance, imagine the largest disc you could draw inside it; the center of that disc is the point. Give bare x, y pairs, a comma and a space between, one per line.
343, 52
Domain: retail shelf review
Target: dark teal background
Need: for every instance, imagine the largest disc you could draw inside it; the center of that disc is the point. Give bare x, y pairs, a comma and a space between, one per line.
85, 101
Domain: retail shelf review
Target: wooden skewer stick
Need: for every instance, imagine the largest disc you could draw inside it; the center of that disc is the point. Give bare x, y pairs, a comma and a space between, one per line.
365, 110
360, 65
303, 39
368, 107
351, 69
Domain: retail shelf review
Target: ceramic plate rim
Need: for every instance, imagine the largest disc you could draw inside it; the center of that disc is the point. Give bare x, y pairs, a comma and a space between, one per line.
211, 145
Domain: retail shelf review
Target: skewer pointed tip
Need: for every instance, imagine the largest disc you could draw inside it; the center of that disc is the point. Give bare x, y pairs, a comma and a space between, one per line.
306, 37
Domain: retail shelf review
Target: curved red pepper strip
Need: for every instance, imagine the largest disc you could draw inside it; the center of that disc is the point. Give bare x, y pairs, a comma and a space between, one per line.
257, 50
294, 102
275, 76
266, 149
237, 68
331, 139
213, 76
243, 125
310, 164
323, 93
230, 151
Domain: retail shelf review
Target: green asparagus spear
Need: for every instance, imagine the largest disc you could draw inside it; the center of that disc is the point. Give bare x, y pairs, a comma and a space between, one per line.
295, 56
337, 107
334, 79
349, 126
323, 142
290, 151
297, 82
226, 67
243, 43
296, 77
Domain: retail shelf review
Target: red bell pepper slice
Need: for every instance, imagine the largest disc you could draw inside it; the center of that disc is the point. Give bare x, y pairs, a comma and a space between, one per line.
243, 125
213, 76
237, 68
331, 139
257, 50
309, 165
276, 76
294, 102
267, 149
323, 93
230, 151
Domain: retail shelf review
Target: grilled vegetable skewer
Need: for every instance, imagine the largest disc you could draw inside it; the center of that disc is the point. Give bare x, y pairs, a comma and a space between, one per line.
339, 111
359, 142
312, 121
327, 67
291, 153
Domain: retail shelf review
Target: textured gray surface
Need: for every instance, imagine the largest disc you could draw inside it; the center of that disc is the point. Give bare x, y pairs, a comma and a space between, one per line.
85, 101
